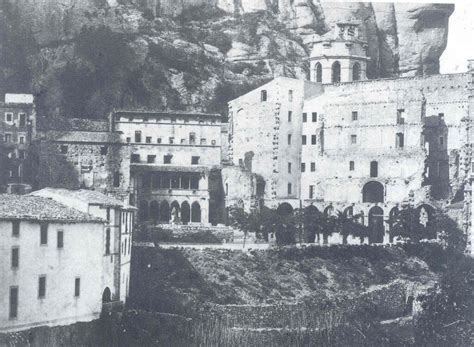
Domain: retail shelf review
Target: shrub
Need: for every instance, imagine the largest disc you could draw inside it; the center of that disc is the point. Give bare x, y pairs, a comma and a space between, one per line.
220, 40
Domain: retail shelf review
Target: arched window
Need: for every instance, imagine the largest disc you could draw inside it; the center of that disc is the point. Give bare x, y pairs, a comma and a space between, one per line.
373, 192
106, 295
107, 241
376, 227
195, 212
185, 212
318, 72
154, 211
263, 95
164, 212
143, 211
336, 72
374, 169
175, 212
356, 72
400, 140
116, 179
285, 209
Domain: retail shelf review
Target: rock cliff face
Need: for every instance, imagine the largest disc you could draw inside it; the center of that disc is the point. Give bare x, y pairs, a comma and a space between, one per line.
193, 54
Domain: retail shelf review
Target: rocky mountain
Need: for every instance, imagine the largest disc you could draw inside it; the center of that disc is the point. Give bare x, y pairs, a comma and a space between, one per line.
83, 58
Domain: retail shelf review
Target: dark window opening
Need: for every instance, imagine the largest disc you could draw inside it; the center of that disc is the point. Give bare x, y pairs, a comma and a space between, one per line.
13, 302
107, 241
303, 167
311, 192
41, 287
356, 73
400, 118
138, 136
313, 139
305, 117
16, 228
151, 159
135, 158
289, 116
77, 287
60, 239
313, 167
351, 166
148, 139
289, 167
400, 141
289, 188
63, 149
354, 115
195, 160
44, 234
336, 72
167, 159
353, 139
103, 150
195, 182
22, 121
303, 139
314, 116
263, 95
192, 138
185, 182
289, 139
175, 182
374, 169
290, 95
15, 257
116, 179
318, 72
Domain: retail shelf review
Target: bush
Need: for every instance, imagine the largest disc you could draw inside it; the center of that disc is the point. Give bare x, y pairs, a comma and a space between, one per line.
220, 40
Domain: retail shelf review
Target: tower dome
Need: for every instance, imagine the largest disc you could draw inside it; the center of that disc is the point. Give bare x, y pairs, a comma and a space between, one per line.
339, 55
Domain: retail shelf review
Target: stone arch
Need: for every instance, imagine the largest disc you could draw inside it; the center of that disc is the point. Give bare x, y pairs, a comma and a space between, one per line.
373, 191
349, 212
175, 211
376, 227
285, 209
318, 72
164, 211
106, 295
185, 212
425, 213
328, 211
195, 212
336, 72
154, 211
356, 72
143, 211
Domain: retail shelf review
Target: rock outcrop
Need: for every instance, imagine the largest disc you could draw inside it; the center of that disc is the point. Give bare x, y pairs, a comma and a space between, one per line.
196, 54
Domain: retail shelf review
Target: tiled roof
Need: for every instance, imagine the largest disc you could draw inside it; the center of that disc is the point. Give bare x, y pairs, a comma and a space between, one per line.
90, 196
28, 207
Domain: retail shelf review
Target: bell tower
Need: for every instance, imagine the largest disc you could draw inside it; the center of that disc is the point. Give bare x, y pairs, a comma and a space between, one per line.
339, 55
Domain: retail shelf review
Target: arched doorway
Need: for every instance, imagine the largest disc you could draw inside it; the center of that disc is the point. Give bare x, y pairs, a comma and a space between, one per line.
328, 211
373, 192
185, 212
154, 211
175, 212
425, 214
285, 209
143, 211
376, 228
318, 72
311, 216
106, 295
164, 212
356, 72
336, 72
349, 212
195, 212
391, 221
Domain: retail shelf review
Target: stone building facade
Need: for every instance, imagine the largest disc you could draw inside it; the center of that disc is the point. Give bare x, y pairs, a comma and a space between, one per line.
17, 126
45, 276
355, 145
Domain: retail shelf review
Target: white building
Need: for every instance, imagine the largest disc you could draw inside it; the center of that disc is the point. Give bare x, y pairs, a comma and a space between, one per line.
52, 264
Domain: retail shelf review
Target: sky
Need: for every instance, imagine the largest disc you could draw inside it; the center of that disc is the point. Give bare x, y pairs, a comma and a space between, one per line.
460, 38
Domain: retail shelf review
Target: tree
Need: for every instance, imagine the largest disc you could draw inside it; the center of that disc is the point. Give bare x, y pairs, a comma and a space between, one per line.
406, 224
241, 220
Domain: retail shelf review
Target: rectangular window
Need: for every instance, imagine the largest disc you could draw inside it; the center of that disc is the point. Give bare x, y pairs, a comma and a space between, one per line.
8, 138
63, 149
290, 95
107, 241
138, 136
21, 140
263, 95
116, 179
129, 140
135, 158
44, 234
289, 139
289, 167
194, 160
314, 116
313, 139
77, 287
16, 228
107, 216
303, 167
441, 140
22, 119
150, 159
158, 140
289, 188
353, 139
13, 302
313, 167
60, 239
15, 257
303, 139
289, 116
9, 117
148, 139
311, 192
305, 117
192, 138
351, 166
167, 159
195, 182
103, 150
42, 287
183, 141
203, 142
354, 115
21, 154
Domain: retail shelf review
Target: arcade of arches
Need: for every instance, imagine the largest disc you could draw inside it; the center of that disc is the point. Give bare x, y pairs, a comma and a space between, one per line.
163, 212
379, 221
